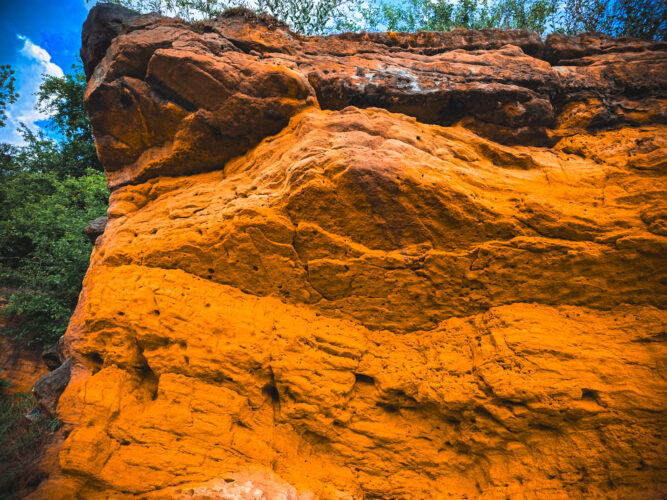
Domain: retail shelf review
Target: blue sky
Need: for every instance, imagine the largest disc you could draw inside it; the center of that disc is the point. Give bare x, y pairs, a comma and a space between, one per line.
36, 37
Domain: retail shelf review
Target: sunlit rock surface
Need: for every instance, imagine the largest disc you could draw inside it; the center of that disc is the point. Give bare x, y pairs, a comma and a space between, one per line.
386, 265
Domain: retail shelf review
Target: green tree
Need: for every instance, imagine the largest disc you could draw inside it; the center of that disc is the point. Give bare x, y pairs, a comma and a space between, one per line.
535, 15
644, 19
8, 93
442, 15
62, 99
51, 187
43, 251
304, 16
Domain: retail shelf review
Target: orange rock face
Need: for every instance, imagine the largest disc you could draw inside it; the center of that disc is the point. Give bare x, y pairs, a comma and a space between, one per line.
20, 366
371, 266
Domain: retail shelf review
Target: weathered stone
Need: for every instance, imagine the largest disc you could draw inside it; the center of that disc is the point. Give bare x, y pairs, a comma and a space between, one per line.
95, 228
20, 365
348, 267
104, 23
190, 100
565, 50
48, 389
55, 356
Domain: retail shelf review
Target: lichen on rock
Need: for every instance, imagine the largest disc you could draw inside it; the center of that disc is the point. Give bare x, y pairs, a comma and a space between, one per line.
370, 266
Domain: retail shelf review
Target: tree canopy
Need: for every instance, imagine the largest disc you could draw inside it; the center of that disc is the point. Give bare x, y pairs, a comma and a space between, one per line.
51, 187
645, 19
8, 93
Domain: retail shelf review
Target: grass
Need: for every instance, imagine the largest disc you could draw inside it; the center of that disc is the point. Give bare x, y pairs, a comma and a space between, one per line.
22, 443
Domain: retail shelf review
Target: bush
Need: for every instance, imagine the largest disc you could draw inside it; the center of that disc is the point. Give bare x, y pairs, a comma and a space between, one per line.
646, 19
43, 251
442, 15
49, 190
21, 444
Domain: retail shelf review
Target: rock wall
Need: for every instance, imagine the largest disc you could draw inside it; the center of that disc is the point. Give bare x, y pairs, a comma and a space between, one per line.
377, 265
20, 366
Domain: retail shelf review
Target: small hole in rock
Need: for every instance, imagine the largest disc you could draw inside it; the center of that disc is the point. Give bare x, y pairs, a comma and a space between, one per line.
388, 407
363, 379
272, 392
590, 395
96, 358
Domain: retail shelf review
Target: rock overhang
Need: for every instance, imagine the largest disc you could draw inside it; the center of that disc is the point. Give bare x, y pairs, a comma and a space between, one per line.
176, 95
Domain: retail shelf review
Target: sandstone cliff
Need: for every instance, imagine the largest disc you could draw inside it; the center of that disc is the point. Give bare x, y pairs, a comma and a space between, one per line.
383, 265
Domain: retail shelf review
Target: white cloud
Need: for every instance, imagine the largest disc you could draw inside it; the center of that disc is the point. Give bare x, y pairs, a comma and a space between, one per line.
43, 58
33, 62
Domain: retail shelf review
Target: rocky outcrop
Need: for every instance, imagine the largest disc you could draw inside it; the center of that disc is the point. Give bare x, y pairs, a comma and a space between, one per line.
48, 389
371, 266
95, 228
171, 99
54, 356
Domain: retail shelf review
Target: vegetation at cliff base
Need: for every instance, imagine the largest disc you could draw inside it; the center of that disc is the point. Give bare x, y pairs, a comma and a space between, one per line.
21, 443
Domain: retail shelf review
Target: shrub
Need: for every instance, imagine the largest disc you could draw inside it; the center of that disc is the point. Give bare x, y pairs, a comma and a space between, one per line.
43, 251
21, 444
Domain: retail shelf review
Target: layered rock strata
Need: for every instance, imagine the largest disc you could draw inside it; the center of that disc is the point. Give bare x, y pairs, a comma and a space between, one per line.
377, 265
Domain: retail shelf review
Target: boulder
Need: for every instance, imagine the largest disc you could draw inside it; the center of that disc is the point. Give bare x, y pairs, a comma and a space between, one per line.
48, 389
55, 356
95, 228
105, 22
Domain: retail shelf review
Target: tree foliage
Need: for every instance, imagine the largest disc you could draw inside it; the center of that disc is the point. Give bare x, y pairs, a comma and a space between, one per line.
62, 99
441, 15
43, 251
304, 16
8, 93
21, 443
646, 19
50, 188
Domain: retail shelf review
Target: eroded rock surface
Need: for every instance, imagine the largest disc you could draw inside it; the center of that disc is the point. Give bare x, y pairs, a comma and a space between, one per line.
95, 228
20, 366
371, 266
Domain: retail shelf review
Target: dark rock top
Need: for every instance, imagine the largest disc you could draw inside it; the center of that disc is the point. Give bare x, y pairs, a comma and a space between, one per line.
172, 97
